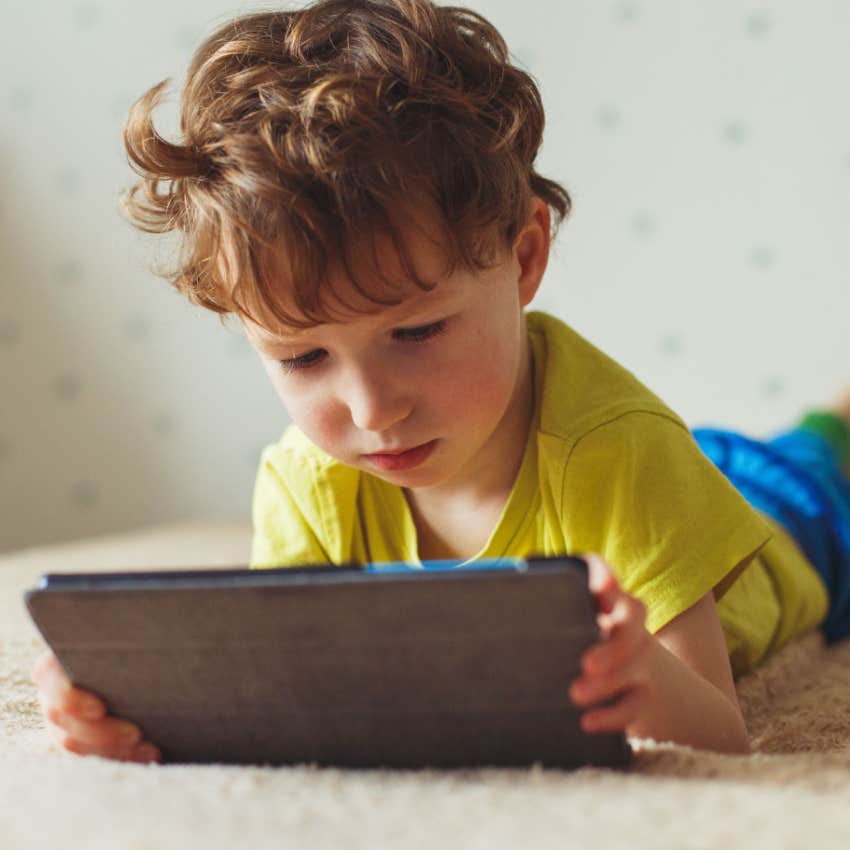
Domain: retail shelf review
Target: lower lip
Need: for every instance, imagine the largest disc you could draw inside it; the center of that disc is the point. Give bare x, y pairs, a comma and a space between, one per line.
405, 460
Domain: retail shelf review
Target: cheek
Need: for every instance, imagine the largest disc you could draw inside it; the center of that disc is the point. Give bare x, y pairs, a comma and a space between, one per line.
309, 412
321, 422
480, 383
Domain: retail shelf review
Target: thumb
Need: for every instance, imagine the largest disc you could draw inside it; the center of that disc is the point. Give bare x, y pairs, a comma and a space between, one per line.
602, 582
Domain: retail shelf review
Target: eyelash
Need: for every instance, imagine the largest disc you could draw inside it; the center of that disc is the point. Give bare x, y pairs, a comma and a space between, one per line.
311, 358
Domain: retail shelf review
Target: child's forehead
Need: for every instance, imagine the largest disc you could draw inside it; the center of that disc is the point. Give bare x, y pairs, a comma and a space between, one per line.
414, 303
372, 286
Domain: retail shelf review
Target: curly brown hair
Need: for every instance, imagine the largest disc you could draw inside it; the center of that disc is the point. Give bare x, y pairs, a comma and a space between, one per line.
304, 132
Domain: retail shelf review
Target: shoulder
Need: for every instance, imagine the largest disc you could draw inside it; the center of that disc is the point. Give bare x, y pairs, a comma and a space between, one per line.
581, 388
625, 477
639, 455
593, 414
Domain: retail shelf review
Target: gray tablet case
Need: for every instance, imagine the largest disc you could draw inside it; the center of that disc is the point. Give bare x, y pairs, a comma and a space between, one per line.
377, 665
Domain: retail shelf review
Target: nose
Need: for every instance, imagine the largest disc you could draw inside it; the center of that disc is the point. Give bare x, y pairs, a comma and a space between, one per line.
376, 400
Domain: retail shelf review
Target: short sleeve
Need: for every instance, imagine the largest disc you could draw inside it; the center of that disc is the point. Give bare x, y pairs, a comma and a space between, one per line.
282, 535
639, 491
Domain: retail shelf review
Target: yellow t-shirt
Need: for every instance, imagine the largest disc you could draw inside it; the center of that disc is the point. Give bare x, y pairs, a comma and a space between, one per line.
607, 468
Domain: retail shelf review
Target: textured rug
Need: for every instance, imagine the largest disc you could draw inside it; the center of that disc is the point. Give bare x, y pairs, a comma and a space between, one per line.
793, 791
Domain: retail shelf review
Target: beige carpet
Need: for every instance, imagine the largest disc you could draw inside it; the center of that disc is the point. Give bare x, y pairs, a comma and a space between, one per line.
794, 791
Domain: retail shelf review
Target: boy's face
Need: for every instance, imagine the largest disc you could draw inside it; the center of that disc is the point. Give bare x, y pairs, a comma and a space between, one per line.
443, 378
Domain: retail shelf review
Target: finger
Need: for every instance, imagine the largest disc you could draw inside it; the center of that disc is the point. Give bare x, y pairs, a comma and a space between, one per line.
617, 716
146, 752
587, 690
141, 753
602, 582
109, 735
57, 691
624, 636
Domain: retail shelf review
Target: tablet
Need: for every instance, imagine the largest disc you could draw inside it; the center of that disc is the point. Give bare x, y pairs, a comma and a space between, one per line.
361, 665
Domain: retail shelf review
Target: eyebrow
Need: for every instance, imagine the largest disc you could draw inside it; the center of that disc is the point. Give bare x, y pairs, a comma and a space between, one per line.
294, 335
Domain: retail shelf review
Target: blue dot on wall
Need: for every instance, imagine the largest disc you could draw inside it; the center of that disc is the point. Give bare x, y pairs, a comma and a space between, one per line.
762, 256
671, 344
22, 98
758, 24
608, 117
10, 332
772, 387
643, 224
69, 271
86, 15
84, 494
734, 133
165, 423
627, 11
66, 387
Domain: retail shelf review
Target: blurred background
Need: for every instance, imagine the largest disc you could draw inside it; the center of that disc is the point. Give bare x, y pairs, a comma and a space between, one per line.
706, 147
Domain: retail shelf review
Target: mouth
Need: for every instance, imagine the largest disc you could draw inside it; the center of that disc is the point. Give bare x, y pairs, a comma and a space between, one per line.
404, 458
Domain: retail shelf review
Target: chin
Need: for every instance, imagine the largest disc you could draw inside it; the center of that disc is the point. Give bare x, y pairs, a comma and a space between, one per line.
408, 478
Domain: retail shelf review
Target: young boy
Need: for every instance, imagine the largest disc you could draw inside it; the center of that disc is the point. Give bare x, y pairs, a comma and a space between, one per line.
356, 182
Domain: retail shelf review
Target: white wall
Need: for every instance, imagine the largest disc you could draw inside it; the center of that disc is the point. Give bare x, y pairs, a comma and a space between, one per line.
706, 147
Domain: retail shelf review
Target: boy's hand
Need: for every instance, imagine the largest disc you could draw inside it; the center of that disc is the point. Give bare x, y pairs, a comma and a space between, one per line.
77, 719
618, 666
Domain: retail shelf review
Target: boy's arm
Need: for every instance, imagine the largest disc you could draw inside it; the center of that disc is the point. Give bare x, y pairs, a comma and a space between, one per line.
675, 685
697, 703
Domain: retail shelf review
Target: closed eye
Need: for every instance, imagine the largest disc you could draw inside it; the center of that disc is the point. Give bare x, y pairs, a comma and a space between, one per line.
314, 357
303, 361
422, 333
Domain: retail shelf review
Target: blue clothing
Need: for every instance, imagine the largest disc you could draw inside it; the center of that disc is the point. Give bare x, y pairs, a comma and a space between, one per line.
796, 478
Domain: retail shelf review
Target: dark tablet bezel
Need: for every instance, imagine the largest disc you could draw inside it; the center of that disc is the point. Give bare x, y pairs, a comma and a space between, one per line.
335, 677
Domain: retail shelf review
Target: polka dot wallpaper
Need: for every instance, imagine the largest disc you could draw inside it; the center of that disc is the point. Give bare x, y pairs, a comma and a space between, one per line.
706, 147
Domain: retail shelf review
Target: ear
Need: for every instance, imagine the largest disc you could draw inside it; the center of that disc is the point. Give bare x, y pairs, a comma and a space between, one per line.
531, 250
